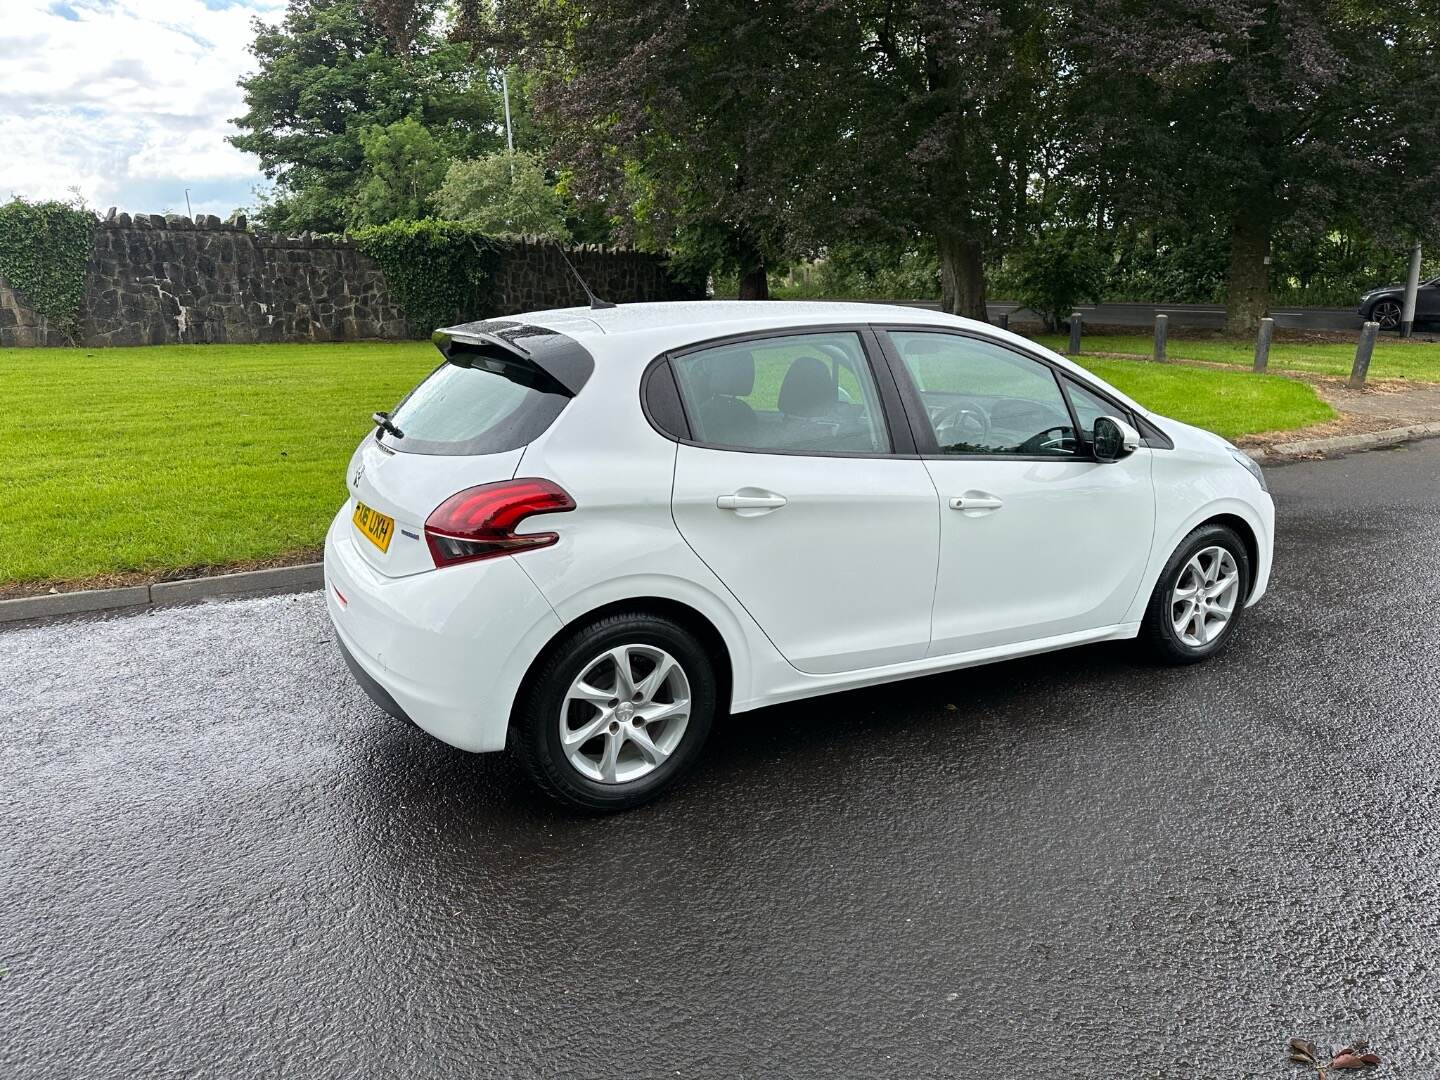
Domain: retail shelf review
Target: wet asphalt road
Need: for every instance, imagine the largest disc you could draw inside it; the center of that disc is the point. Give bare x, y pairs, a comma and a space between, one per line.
219, 860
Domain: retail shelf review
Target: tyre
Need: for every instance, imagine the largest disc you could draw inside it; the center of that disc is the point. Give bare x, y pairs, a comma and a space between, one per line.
1200, 597
1387, 313
616, 712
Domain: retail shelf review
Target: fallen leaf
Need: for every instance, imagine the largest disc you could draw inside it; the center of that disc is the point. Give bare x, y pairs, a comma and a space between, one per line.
1347, 1061
1370, 1059
1305, 1048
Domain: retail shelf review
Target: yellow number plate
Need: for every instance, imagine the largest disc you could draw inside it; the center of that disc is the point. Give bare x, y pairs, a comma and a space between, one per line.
376, 526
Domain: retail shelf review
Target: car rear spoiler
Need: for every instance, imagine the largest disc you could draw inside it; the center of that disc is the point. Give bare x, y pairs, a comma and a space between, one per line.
560, 357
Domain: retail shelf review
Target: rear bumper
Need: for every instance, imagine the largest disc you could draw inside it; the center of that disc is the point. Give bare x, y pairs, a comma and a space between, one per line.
445, 649
373, 690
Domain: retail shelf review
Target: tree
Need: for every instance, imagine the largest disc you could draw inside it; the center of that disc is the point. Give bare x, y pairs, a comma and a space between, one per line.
404, 167
505, 194
328, 74
704, 128
1059, 266
1257, 114
955, 110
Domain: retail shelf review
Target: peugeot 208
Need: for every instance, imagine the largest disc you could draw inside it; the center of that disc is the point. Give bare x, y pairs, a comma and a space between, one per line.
588, 532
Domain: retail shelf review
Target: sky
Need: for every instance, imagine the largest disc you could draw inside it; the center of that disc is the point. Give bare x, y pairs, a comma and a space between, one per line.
128, 101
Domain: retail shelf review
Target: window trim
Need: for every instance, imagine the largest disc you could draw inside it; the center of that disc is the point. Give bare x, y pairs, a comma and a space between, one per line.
898, 430
919, 419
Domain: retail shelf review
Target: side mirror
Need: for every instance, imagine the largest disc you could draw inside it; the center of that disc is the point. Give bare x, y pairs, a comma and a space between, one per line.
1113, 439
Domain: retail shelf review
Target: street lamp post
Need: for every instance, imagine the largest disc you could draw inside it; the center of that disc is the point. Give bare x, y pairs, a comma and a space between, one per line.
509, 136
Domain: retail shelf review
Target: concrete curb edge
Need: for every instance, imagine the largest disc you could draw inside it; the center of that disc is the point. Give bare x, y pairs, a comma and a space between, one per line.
1344, 444
85, 601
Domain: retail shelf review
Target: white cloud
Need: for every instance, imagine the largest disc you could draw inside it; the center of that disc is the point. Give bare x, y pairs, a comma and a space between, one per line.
127, 101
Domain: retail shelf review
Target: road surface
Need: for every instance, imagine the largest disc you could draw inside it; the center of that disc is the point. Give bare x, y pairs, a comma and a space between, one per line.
219, 860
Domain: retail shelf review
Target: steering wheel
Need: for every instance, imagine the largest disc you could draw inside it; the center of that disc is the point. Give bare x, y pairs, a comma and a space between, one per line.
959, 423
1042, 441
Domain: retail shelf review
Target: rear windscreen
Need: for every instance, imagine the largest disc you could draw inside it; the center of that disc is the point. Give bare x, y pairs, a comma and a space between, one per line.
475, 404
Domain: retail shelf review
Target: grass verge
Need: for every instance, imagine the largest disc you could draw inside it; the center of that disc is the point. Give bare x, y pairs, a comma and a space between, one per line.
188, 456
145, 461
1228, 403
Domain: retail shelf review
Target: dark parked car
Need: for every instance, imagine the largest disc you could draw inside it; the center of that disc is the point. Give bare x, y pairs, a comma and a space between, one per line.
1386, 304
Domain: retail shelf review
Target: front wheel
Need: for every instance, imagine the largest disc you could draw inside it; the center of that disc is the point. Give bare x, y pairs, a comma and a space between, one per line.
1200, 597
616, 712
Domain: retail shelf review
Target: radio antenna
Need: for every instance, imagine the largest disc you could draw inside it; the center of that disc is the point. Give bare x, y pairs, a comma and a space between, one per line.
596, 304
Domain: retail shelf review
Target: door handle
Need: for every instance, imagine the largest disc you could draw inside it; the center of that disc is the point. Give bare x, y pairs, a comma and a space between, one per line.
976, 502
750, 502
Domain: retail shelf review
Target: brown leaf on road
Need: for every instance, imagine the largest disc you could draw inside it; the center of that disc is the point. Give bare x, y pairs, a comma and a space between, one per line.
1304, 1048
1347, 1061
1370, 1059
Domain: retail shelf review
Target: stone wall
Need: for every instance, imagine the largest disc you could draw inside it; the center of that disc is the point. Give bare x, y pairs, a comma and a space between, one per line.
156, 280
533, 276
22, 325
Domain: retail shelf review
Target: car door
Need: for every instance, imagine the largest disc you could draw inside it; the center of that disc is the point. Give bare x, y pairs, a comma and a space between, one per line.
1427, 302
789, 487
1037, 538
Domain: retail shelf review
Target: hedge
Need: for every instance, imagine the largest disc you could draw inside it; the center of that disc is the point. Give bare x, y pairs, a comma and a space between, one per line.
44, 249
441, 272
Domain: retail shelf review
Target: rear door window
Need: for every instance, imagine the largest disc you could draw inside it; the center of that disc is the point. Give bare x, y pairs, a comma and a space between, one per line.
794, 393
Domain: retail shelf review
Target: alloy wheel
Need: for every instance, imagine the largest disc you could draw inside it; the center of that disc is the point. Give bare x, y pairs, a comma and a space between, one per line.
1204, 598
625, 714
1387, 313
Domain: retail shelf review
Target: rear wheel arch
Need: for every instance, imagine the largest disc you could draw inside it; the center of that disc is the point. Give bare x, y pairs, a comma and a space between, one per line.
693, 620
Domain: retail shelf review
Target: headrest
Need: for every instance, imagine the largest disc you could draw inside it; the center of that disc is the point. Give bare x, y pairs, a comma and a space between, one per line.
808, 389
731, 374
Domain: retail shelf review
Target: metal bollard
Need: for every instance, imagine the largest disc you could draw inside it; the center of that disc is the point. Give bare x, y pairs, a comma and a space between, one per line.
1004, 320
1363, 352
1412, 289
1076, 319
1162, 331
1262, 344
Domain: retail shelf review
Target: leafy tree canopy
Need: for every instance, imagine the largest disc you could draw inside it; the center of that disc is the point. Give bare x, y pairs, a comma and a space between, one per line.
700, 128
1259, 114
503, 194
328, 74
404, 166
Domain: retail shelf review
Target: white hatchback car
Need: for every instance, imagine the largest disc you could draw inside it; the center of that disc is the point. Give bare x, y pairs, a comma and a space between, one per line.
588, 532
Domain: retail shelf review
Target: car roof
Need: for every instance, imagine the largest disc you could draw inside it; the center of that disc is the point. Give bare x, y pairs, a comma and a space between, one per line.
637, 333
697, 320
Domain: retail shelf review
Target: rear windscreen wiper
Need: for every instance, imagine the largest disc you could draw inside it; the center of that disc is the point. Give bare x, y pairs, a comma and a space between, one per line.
384, 423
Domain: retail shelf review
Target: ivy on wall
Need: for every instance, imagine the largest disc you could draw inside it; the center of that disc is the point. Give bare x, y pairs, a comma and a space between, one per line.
440, 272
44, 249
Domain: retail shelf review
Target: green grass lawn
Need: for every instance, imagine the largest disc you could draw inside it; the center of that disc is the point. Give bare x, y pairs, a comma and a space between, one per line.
1228, 403
1392, 360
155, 459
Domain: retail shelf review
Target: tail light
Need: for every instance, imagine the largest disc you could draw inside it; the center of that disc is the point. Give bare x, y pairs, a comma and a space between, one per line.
479, 522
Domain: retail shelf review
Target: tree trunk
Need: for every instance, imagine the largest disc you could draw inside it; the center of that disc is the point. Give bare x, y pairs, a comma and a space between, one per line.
755, 284
962, 276
1247, 297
